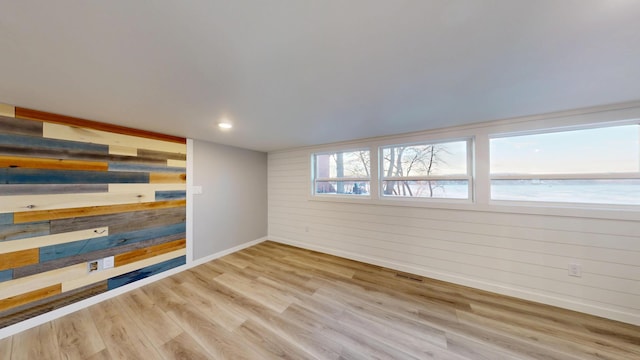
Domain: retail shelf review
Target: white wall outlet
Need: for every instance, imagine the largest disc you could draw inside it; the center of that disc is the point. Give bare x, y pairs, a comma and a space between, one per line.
108, 262
197, 190
306, 228
575, 270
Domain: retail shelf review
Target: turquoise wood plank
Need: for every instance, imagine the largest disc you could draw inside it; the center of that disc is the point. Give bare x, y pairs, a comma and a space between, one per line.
43, 176
171, 195
6, 218
94, 255
50, 189
53, 252
145, 168
6, 275
23, 231
145, 272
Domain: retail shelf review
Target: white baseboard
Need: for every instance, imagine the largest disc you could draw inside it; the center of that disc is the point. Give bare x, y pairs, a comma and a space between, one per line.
565, 303
57, 313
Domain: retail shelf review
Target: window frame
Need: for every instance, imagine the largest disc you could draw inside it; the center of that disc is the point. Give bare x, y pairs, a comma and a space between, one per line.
562, 176
315, 179
469, 176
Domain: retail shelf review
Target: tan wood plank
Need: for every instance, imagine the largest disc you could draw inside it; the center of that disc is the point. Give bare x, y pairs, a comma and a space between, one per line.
122, 150
6, 347
47, 240
19, 258
78, 337
74, 133
176, 163
7, 110
54, 164
17, 300
27, 203
25, 113
41, 215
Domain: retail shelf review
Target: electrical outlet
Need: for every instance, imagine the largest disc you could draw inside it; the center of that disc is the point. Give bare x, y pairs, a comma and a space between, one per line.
306, 228
93, 266
575, 270
108, 262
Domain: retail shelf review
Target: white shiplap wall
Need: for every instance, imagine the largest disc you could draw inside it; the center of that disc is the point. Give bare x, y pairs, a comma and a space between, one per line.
517, 251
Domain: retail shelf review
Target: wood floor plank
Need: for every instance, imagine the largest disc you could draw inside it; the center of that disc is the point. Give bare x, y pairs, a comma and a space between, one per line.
38, 343
78, 337
276, 301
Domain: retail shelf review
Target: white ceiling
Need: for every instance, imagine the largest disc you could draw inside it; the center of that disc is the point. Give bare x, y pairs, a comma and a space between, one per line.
291, 73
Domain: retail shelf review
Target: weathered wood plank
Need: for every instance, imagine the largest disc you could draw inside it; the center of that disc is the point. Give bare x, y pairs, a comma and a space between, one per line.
7, 110
31, 283
6, 218
21, 231
10, 125
148, 252
38, 176
161, 155
35, 142
120, 270
73, 133
122, 222
38, 307
142, 273
32, 203
6, 275
164, 178
19, 258
47, 240
94, 255
171, 195
17, 300
33, 216
53, 252
51, 164
50, 189
144, 168
24, 113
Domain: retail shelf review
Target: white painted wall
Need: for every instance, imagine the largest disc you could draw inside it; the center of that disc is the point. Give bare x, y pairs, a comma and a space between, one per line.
232, 209
515, 250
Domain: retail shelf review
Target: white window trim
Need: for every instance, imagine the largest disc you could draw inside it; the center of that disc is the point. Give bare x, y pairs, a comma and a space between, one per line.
331, 196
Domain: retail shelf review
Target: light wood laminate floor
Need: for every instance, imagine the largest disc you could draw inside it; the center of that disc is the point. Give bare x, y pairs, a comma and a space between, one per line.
276, 301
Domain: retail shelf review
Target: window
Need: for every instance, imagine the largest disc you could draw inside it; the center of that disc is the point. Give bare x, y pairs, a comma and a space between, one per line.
595, 165
342, 173
428, 170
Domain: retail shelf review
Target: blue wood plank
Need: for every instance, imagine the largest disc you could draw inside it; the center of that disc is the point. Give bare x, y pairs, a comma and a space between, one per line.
145, 168
6, 275
171, 195
52, 144
6, 218
42, 176
145, 272
48, 253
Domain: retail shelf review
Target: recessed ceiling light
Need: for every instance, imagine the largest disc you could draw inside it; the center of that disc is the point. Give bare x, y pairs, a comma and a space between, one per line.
225, 125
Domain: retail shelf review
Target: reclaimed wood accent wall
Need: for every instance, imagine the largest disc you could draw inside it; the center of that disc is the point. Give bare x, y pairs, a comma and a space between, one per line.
73, 192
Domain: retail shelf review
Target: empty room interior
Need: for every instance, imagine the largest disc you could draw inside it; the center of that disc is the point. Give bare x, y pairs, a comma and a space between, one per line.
360, 179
